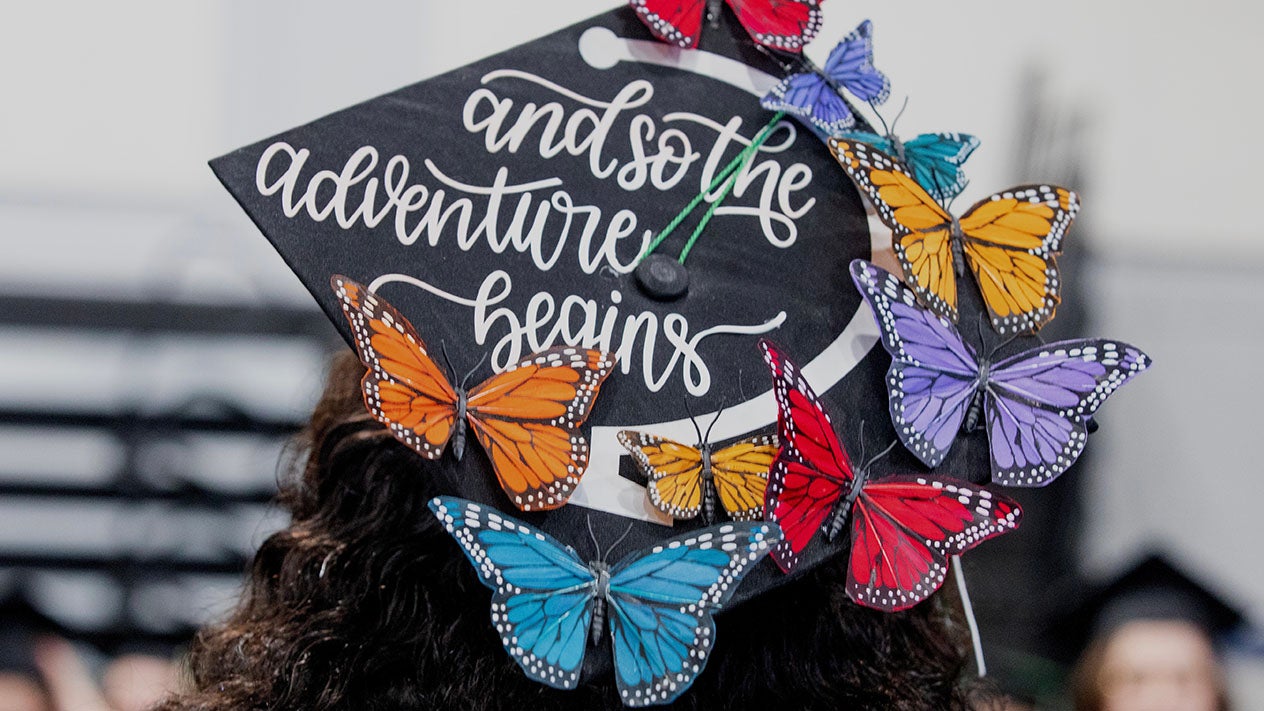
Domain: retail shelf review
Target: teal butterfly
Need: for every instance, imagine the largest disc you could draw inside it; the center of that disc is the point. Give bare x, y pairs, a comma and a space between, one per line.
548, 603
934, 159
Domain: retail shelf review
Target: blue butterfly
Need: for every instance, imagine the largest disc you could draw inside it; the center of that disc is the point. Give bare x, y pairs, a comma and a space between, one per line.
817, 95
934, 159
548, 602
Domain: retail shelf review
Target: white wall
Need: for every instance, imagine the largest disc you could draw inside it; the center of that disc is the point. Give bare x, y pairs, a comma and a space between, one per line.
1171, 88
126, 100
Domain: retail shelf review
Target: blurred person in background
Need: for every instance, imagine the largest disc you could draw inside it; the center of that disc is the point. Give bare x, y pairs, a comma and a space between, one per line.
21, 692
1152, 647
53, 676
20, 688
128, 682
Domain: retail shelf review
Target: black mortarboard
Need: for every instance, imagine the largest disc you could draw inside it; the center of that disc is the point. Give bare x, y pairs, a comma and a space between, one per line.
498, 206
1152, 589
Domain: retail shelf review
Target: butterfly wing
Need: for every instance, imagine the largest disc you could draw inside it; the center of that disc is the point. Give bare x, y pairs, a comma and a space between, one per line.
677, 22
661, 602
904, 528
935, 161
812, 470
741, 476
921, 229
527, 419
1011, 239
850, 65
543, 593
809, 97
1039, 403
882, 143
674, 471
786, 25
933, 375
403, 388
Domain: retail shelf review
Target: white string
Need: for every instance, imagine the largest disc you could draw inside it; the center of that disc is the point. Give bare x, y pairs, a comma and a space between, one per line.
969, 609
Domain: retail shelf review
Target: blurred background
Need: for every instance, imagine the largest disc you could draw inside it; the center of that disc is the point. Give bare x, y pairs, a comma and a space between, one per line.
141, 434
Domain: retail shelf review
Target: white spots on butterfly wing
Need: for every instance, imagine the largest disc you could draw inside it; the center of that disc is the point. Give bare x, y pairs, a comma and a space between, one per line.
1117, 371
984, 524
664, 688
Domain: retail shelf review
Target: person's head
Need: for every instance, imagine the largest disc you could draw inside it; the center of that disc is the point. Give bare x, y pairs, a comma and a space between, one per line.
21, 692
365, 602
1151, 665
1151, 645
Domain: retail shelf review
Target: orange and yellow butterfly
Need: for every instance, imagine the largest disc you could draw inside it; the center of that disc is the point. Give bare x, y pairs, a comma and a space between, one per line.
527, 418
1009, 240
684, 480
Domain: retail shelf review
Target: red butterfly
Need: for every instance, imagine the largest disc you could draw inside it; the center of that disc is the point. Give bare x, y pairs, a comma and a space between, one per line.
903, 528
786, 25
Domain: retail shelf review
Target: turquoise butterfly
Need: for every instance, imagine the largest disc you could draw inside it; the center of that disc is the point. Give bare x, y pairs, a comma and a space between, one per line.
547, 602
934, 159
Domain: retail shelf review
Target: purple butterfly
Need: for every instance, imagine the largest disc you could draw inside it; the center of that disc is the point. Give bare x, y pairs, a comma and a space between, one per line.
1036, 404
817, 95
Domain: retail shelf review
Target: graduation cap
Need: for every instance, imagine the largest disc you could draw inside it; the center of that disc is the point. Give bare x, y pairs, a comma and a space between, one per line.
501, 208
1152, 589
506, 208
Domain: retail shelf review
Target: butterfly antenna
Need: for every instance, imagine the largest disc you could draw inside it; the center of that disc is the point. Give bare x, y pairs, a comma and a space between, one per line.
964, 185
982, 340
1004, 343
862, 441
473, 370
443, 346
882, 454
886, 130
707, 437
593, 536
618, 540
896, 120
694, 421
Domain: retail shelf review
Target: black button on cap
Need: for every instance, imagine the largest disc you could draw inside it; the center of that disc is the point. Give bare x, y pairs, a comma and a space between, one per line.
662, 278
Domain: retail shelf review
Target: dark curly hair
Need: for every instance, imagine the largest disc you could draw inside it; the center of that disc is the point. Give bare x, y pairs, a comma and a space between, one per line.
364, 602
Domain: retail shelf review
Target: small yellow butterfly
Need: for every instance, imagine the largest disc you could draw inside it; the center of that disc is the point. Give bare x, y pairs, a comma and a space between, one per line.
685, 481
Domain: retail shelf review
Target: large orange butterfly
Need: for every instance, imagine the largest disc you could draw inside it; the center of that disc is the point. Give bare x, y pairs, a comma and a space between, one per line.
684, 480
1009, 239
527, 418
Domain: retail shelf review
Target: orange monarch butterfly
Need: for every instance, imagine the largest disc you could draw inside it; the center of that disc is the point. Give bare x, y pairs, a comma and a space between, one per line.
684, 480
1009, 240
527, 418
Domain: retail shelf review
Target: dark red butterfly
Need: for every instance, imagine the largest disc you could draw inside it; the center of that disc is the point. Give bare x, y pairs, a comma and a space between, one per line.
903, 528
786, 25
